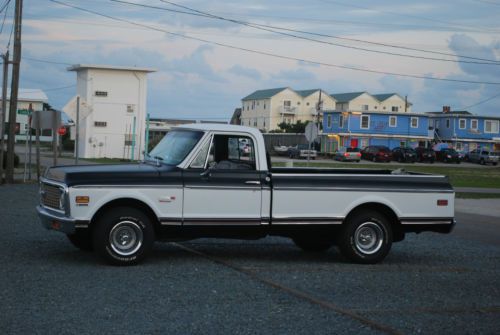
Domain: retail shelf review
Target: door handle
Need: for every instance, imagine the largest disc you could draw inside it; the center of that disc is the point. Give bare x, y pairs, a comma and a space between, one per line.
253, 182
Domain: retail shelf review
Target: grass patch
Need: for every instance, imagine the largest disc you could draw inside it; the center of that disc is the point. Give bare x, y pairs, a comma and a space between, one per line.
487, 177
462, 195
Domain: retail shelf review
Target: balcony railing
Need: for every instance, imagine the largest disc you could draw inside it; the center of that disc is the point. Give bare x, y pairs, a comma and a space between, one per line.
288, 110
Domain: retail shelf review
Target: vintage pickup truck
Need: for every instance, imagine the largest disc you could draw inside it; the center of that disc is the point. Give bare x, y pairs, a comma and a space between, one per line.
197, 183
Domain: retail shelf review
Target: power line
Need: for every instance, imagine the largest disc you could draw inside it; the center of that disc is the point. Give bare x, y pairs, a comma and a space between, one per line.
480, 102
270, 28
269, 54
450, 24
489, 2
45, 61
5, 15
6, 3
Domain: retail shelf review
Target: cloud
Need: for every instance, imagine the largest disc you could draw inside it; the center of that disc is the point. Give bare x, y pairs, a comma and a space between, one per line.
245, 72
195, 64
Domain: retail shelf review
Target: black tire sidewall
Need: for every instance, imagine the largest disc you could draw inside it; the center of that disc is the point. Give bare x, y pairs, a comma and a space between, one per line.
347, 244
109, 220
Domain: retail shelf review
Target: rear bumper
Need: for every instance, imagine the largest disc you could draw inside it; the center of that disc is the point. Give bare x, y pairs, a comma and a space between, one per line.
57, 221
444, 226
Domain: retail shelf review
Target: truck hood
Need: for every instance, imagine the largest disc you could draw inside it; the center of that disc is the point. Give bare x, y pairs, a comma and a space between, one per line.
116, 174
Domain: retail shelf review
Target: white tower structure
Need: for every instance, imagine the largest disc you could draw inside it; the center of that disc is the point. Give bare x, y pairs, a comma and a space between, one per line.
112, 110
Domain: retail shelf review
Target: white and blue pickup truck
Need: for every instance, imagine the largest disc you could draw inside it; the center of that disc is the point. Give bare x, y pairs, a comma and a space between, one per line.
197, 182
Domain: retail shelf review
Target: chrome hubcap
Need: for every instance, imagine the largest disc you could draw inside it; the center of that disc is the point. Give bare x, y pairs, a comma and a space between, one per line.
125, 238
368, 238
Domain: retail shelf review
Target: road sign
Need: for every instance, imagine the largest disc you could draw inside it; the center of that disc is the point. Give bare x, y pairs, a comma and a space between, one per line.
311, 131
61, 131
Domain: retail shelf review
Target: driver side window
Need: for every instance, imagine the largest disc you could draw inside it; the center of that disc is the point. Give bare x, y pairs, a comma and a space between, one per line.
227, 152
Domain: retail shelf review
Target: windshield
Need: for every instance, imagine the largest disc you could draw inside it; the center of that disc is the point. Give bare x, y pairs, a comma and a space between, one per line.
175, 146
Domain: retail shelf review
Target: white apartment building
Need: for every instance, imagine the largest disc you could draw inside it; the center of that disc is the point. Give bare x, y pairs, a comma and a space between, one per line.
112, 110
266, 109
27, 99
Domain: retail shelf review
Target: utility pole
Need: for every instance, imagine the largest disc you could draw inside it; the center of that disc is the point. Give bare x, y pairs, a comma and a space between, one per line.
16, 62
5, 58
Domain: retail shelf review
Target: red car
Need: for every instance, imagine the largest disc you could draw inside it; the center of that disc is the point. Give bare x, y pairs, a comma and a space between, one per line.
377, 153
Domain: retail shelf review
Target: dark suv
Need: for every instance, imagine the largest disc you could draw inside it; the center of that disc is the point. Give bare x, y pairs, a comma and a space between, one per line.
425, 154
448, 155
404, 155
376, 153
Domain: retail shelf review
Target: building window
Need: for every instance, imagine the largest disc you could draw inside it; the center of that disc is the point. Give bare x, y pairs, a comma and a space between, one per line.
364, 107
298, 103
462, 123
264, 105
491, 126
414, 122
473, 124
257, 103
375, 107
365, 121
393, 121
255, 122
130, 108
101, 93
264, 123
395, 109
329, 120
100, 124
459, 146
253, 104
307, 104
448, 123
341, 121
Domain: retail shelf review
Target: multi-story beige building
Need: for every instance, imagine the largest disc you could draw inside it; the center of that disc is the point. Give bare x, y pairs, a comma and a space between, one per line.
364, 101
266, 109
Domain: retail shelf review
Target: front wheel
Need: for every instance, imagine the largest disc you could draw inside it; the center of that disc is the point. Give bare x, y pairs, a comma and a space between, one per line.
123, 236
366, 238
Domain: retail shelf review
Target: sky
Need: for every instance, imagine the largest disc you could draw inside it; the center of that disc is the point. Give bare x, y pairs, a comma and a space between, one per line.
206, 65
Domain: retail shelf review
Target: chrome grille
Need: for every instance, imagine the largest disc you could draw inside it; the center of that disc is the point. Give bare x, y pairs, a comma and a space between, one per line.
51, 196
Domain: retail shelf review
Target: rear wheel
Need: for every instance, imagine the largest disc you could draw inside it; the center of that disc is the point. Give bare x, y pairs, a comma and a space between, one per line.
123, 236
366, 238
81, 239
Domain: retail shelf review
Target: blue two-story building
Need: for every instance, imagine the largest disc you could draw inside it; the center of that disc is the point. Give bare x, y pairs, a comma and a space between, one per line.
465, 131
360, 129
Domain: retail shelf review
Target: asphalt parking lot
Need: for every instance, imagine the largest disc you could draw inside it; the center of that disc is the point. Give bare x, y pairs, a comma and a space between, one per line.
429, 284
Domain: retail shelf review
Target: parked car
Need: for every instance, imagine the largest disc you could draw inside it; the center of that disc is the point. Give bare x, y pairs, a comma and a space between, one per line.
404, 155
348, 155
302, 151
376, 153
425, 155
448, 155
483, 157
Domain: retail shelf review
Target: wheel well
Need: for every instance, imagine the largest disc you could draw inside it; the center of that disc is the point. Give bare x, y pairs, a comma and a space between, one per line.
398, 234
127, 202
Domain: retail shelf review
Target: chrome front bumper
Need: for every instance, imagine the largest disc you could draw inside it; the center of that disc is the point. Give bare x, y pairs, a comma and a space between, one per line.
58, 221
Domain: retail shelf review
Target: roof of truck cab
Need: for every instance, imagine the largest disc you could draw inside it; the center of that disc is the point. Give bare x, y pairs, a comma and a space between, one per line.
220, 127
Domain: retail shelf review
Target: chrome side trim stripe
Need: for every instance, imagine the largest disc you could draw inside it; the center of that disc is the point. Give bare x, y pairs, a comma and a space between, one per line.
129, 186
247, 188
353, 189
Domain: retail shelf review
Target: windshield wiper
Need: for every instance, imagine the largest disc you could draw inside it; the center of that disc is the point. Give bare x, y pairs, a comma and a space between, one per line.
156, 159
